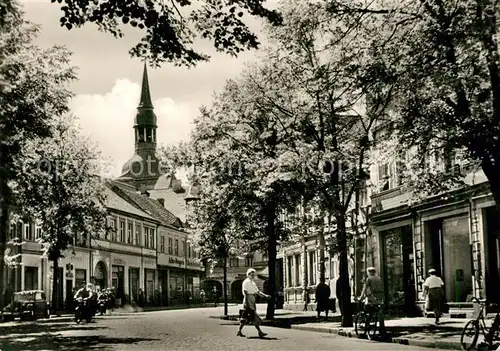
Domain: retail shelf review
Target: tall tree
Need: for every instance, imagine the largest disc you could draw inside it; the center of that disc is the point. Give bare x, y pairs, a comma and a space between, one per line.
446, 59
314, 84
34, 89
59, 186
172, 27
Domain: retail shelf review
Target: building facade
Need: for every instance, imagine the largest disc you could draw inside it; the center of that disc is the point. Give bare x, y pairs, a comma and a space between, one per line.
145, 258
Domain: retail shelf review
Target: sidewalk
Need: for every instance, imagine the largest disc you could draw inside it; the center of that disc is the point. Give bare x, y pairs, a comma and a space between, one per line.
418, 331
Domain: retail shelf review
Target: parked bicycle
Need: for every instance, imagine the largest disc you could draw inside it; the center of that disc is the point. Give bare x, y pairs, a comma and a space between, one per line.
477, 326
366, 321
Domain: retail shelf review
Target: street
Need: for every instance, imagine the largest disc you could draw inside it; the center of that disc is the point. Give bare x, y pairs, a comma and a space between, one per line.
190, 329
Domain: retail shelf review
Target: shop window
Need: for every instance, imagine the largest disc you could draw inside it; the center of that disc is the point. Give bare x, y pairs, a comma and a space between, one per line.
122, 231
137, 238
176, 247
170, 246
130, 232
289, 271
30, 278
162, 244
297, 266
312, 268
80, 277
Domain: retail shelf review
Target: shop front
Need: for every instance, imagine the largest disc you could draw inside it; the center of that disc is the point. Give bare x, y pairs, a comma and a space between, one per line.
177, 286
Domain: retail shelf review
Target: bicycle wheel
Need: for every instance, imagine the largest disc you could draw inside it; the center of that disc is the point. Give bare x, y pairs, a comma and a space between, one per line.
360, 324
470, 334
372, 326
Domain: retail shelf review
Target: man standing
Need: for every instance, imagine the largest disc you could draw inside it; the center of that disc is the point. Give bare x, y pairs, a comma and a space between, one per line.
322, 297
373, 291
215, 294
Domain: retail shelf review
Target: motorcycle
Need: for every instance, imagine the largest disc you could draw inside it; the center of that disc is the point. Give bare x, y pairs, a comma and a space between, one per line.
82, 310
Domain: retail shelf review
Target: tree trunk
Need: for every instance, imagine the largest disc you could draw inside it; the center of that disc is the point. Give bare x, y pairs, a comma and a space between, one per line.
344, 272
55, 284
272, 244
224, 288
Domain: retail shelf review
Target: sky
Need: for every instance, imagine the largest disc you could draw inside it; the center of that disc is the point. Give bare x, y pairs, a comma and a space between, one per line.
108, 88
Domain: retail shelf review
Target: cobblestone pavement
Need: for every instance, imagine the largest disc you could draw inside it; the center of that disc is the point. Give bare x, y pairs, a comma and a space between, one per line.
169, 330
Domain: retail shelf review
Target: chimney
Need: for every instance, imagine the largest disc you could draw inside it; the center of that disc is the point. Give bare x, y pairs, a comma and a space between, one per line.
142, 190
161, 201
177, 186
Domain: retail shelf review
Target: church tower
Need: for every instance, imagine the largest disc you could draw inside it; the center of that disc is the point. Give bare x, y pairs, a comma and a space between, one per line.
143, 169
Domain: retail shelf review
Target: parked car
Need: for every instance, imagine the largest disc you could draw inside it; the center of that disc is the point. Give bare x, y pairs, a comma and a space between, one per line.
30, 304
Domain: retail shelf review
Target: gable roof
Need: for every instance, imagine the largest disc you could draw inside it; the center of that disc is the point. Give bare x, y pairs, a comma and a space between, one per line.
115, 202
146, 204
175, 203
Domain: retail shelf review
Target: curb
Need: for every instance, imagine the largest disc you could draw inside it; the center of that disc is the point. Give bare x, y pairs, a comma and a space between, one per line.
448, 345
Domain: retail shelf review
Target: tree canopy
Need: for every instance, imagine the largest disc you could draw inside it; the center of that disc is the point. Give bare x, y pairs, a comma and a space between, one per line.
171, 28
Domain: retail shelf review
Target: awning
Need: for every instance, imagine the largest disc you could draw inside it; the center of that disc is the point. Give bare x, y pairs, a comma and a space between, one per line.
263, 273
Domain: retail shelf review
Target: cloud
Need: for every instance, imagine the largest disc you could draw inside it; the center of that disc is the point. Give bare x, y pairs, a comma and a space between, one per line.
108, 120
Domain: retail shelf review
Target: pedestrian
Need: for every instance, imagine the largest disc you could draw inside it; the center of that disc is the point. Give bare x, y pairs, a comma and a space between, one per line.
202, 297
322, 297
249, 315
215, 296
8, 295
434, 294
373, 291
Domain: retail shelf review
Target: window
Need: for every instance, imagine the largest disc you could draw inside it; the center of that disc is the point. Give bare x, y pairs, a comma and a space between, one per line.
162, 244
122, 231
146, 237
181, 248
312, 268
176, 247
189, 250
249, 261
149, 135
137, 239
28, 233
152, 238
289, 271
30, 278
234, 262
112, 231
130, 232
38, 233
170, 248
80, 277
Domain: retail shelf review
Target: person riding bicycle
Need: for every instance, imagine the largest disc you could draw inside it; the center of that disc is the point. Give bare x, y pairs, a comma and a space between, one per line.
85, 292
373, 292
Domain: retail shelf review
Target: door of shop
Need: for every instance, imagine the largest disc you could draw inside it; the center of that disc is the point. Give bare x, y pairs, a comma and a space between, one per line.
448, 251
399, 263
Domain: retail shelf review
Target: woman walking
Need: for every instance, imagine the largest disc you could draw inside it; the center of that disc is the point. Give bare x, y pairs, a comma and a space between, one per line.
249, 315
434, 294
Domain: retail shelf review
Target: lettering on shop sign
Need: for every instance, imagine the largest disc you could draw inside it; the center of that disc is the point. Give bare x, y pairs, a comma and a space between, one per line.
173, 260
193, 263
117, 260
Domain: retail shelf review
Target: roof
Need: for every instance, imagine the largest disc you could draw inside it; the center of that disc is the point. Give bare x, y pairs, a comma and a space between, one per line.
174, 202
116, 202
146, 204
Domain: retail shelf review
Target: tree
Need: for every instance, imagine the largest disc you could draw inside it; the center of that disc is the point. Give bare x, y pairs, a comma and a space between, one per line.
58, 185
314, 84
446, 59
34, 89
171, 28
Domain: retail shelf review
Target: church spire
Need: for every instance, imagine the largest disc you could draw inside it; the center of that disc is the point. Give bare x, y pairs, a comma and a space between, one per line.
145, 93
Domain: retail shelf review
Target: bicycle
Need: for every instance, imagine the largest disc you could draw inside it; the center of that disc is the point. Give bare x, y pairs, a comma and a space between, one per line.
478, 325
366, 321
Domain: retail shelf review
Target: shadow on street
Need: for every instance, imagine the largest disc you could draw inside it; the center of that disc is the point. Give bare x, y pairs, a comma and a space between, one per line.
48, 336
